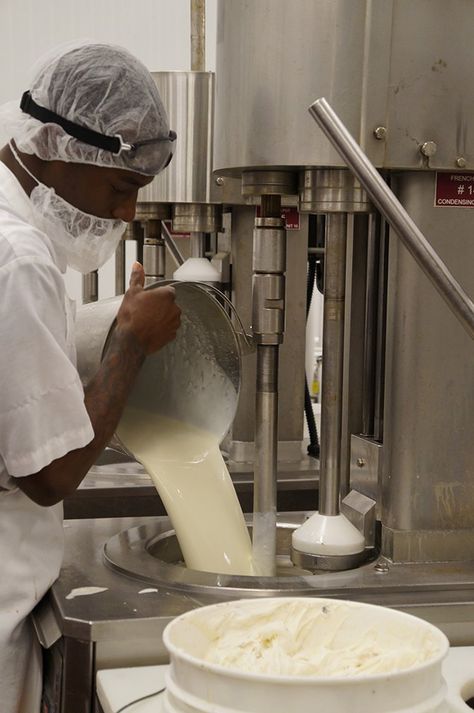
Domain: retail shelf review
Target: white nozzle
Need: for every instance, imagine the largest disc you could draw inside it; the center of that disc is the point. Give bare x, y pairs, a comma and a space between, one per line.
328, 535
197, 269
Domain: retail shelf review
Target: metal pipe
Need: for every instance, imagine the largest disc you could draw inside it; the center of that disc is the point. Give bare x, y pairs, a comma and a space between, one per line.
380, 342
269, 265
171, 245
265, 477
333, 353
90, 287
413, 239
120, 268
370, 331
198, 244
198, 35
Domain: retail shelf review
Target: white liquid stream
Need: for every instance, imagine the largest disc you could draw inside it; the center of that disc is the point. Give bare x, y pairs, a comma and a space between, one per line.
189, 473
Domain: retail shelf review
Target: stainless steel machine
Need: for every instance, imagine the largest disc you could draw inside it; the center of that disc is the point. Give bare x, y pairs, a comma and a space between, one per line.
397, 431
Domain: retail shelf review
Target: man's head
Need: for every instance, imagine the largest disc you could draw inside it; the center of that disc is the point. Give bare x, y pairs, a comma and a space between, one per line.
109, 93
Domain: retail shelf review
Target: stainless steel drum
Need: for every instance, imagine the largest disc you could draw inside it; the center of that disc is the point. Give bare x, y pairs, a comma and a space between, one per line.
195, 379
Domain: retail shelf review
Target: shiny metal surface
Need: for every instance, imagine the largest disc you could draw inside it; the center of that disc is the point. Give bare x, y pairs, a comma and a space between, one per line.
266, 458
428, 473
260, 183
269, 266
120, 277
189, 101
370, 353
401, 222
327, 563
90, 287
272, 84
331, 191
198, 244
198, 35
126, 626
366, 58
292, 351
171, 245
333, 346
153, 259
268, 295
201, 366
366, 468
196, 218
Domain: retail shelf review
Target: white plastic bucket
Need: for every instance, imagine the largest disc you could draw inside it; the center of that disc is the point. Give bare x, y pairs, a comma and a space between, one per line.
196, 685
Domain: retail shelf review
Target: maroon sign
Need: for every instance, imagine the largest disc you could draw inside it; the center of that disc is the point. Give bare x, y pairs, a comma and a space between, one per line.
454, 190
291, 216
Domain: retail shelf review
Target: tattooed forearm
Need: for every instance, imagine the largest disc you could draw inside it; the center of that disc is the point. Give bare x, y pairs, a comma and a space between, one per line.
105, 398
107, 393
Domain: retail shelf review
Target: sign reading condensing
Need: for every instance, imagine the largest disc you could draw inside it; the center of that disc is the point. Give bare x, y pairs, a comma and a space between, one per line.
454, 190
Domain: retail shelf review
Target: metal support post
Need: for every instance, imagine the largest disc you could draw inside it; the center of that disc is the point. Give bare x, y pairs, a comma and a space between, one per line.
120, 268
198, 35
333, 351
269, 264
153, 252
90, 287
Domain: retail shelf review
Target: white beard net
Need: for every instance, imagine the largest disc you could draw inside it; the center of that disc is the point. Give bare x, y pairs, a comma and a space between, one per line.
104, 88
85, 240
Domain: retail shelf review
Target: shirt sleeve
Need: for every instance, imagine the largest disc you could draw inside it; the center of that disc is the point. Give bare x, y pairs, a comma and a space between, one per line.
42, 411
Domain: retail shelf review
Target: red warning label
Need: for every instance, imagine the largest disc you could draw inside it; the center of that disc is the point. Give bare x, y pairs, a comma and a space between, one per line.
454, 190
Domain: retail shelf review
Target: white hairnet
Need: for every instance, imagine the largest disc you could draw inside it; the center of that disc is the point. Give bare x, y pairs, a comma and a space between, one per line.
103, 88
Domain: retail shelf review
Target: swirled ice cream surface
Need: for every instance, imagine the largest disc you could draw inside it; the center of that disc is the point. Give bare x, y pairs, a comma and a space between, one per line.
311, 637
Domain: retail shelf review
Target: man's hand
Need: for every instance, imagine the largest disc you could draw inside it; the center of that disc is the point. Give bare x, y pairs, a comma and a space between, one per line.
146, 321
151, 317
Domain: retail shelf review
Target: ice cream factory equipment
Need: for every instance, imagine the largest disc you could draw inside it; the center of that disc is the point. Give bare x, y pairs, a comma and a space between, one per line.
340, 129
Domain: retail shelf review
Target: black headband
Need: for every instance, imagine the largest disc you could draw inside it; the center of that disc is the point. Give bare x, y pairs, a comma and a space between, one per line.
114, 144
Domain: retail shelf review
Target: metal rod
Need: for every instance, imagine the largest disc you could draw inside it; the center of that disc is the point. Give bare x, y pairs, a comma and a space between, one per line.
90, 287
413, 239
268, 298
370, 332
265, 477
380, 342
171, 245
198, 35
120, 268
198, 244
333, 359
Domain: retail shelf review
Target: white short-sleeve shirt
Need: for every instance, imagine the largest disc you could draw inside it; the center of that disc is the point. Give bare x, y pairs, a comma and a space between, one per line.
42, 412
42, 417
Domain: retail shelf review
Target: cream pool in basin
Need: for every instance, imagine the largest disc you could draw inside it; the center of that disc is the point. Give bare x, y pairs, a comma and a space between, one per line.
304, 655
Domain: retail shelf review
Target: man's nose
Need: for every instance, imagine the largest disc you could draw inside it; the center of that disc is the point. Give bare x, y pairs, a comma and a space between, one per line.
126, 209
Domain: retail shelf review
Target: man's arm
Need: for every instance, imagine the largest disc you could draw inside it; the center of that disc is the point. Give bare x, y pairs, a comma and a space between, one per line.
146, 321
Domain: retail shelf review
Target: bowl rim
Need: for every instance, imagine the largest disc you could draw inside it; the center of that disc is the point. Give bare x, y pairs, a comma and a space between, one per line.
236, 673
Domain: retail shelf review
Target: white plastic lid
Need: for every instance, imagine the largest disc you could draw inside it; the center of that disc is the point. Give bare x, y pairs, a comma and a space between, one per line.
197, 269
328, 535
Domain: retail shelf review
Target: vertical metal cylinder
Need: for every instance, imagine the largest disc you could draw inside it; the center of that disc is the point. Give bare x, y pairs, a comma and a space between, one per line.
198, 35
371, 296
269, 263
120, 268
379, 395
198, 244
333, 352
90, 287
266, 444
153, 260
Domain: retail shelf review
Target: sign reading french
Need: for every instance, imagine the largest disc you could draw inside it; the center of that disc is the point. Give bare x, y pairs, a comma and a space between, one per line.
454, 190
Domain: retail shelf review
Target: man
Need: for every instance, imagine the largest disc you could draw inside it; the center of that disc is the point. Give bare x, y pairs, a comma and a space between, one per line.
91, 131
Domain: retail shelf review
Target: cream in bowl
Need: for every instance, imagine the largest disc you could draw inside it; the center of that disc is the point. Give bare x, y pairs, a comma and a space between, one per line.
302, 653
